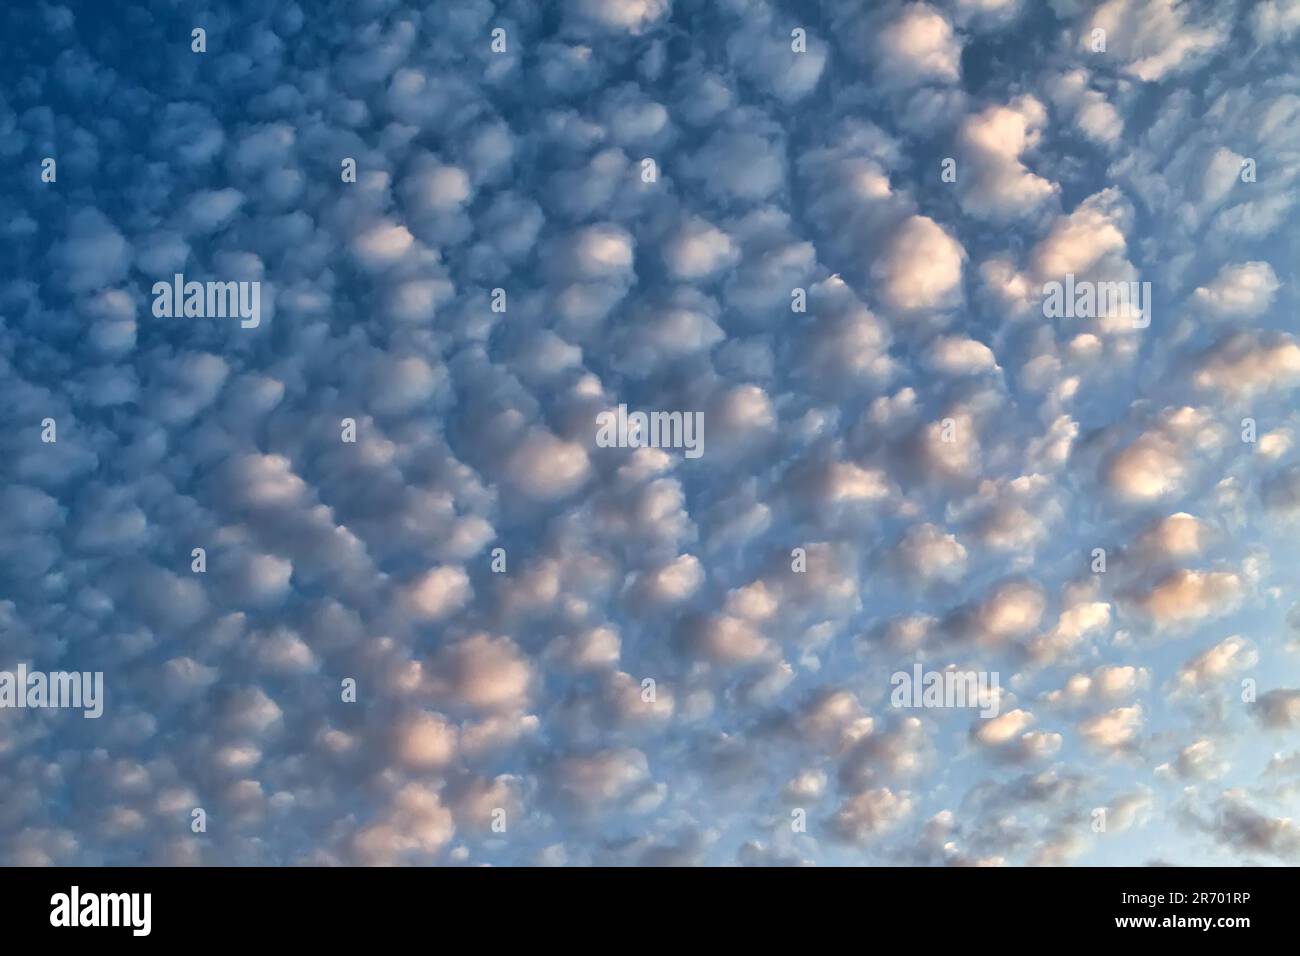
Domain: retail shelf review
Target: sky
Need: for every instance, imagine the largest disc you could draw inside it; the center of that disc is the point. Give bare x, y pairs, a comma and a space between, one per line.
475, 634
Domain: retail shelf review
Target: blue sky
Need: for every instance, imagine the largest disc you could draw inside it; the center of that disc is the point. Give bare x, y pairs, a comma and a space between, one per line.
945, 454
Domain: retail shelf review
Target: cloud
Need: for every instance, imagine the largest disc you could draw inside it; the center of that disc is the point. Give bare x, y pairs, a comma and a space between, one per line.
1075, 623
1153, 466
1245, 289
866, 815
918, 45
922, 267
415, 822
1161, 460
591, 649
1105, 683
1274, 20
92, 253
1128, 809
1002, 729
1187, 596
1245, 363
698, 250
1239, 825
1152, 37
1011, 609
926, 552
1091, 237
383, 244
1231, 655
1113, 730
438, 592
1279, 709
1281, 492
995, 183
729, 641
211, 209
1199, 761
1177, 536
632, 16
955, 355
546, 467
605, 777
424, 741
485, 673
1092, 113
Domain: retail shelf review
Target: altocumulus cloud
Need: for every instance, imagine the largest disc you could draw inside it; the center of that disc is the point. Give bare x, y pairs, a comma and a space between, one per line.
365, 588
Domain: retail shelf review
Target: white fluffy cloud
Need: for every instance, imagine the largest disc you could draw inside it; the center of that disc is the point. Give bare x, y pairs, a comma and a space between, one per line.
1152, 37
919, 45
994, 181
922, 266
1242, 289
438, 592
